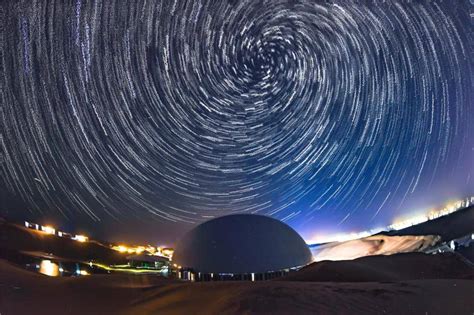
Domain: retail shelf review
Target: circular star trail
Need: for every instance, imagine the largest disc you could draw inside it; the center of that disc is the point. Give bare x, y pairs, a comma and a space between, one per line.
186, 110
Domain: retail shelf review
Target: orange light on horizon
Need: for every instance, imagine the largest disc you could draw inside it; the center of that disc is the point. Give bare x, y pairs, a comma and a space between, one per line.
81, 238
48, 229
120, 248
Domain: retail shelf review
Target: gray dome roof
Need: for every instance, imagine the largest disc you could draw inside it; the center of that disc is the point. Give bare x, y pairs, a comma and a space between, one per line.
241, 243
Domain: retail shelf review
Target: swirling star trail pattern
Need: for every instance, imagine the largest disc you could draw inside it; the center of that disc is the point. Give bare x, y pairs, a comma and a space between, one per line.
312, 112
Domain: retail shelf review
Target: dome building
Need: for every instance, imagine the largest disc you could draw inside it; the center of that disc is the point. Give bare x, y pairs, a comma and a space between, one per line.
242, 246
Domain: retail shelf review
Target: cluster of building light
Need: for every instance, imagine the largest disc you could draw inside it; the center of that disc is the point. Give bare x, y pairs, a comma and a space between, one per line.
80, 238
128, 249
148, 249
432, 214
398, 224
47, 229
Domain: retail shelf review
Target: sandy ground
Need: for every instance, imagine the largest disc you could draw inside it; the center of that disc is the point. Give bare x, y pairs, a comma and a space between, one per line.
23, 292
411, 283
384, 268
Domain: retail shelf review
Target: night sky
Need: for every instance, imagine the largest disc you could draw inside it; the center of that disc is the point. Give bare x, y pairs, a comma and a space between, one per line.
135, 120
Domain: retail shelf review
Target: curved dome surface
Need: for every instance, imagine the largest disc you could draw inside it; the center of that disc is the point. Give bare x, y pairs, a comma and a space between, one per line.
241, 243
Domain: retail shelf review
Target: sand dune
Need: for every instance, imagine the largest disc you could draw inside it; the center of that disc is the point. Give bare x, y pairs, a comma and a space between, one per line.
279, 297
23, 292
412, 239
373, 245
454, 225
400, 267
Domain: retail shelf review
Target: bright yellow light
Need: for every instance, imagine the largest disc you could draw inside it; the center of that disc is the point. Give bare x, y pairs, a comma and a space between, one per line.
151, 249
48, 268
81, 238
167, 252
83, 272
48, 229
120, 248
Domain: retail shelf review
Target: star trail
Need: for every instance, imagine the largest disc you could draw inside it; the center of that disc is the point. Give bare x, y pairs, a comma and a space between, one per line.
320, 114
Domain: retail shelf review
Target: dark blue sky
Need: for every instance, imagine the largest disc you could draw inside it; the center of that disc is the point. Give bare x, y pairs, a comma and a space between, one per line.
134, 119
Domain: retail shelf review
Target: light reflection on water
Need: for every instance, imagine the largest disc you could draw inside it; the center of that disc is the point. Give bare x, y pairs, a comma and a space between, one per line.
54, 268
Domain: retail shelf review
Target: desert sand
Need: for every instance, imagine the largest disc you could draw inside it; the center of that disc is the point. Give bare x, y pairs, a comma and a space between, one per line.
321, 288
408, 283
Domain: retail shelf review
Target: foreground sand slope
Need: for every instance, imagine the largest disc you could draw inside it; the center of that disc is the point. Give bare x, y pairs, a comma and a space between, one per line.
23, 292
405, 266
411, 297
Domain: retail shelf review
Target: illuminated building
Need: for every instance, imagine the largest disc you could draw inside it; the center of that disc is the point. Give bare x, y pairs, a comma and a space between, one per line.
143, 261
240, 247
48, 230
167, 252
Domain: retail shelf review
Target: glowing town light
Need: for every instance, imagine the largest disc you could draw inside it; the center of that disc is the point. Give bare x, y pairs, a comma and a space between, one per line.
49, 268
120, 248
139, 249
151, 249
167, 252
82, 272
48, 229
253, 276
81, 238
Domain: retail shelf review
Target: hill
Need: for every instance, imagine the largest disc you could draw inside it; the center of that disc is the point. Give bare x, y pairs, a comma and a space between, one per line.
15, 238
452, 226
398, 267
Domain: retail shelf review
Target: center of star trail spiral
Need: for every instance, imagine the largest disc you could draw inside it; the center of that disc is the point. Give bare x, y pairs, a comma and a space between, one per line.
185, 110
